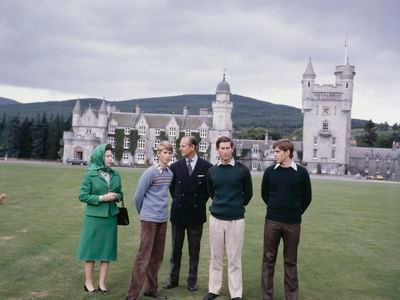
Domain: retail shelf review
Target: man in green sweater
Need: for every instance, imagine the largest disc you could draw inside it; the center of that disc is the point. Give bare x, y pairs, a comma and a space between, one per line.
286, 189
230, 187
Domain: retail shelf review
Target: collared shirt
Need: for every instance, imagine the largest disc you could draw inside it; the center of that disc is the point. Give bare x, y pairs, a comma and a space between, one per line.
160, 168
292, 165
232, 162
193, 161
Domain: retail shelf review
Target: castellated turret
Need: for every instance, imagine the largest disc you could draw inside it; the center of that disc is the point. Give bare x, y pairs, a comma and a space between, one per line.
327, 120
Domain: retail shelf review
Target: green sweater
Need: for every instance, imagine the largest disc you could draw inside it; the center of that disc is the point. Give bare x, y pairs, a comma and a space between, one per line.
231, 189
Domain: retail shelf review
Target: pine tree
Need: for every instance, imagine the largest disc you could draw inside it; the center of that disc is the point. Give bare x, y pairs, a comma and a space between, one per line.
3, 138
25, 141
39, 137
370, 136
13, 132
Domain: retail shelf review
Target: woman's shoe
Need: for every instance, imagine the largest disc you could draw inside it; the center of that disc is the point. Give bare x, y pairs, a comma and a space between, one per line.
87, 290
102, 291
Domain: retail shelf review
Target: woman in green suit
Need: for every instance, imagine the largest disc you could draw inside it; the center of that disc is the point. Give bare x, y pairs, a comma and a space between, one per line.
100, 190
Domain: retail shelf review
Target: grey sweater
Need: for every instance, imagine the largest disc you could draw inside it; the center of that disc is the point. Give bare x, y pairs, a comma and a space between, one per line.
151, 196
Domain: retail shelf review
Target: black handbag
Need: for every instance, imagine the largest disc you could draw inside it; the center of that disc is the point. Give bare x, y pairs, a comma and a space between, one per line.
123, 217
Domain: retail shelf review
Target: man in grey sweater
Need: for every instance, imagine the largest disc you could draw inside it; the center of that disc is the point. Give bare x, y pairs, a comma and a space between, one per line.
151, 200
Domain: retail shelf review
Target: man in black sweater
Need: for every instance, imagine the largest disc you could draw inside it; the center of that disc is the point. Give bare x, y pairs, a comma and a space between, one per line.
286, 189
230, 187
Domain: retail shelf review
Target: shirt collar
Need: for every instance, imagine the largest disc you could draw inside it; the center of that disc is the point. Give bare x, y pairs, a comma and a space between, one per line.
232, 162
159, 168
193, 160
292, 165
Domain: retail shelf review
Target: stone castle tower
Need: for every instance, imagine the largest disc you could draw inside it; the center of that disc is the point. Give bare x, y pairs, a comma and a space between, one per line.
327, 120
222, 116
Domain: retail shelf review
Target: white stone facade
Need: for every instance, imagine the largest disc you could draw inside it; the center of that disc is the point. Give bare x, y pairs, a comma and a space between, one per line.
91, 127
327, 121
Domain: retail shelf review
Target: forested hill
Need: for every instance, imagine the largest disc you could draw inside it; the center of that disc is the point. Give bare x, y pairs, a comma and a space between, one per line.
6, 101
247, 112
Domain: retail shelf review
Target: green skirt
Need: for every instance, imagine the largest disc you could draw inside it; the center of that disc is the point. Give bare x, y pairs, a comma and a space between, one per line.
98, 239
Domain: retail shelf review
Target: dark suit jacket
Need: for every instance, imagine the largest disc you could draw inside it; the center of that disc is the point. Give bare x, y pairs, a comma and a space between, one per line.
189, 193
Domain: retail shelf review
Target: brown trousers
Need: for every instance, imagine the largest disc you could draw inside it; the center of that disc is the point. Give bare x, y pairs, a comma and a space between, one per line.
149, 258
290, 233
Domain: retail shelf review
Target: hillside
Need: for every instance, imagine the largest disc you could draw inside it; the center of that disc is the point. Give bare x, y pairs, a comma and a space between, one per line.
6, 101
247, 112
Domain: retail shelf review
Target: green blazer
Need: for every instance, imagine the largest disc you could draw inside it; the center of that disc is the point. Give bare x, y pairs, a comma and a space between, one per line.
93, 186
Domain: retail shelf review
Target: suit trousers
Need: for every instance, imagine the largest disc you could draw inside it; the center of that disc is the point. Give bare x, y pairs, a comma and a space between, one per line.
229, 235
194, 234
149, 258
290, 233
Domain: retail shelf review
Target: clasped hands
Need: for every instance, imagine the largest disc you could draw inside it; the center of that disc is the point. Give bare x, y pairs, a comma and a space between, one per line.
110, 196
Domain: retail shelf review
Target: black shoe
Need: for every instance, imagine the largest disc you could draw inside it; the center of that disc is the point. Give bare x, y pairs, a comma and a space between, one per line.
102, 291
155, 295
210, 296
170, 285
87, 290
237, 298
192, 288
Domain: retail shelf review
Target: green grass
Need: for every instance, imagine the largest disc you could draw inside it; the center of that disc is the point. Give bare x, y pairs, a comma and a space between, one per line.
349, 248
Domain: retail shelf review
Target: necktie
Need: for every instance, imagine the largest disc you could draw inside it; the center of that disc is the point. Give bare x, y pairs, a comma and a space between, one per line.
189, 166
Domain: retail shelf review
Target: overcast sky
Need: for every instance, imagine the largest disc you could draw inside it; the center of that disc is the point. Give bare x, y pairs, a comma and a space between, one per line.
119, 50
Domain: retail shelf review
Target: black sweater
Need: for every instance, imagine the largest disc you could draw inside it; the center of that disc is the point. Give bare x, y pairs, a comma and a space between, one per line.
286, 192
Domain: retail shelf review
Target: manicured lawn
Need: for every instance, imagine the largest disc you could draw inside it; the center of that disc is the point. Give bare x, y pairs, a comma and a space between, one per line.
349, 245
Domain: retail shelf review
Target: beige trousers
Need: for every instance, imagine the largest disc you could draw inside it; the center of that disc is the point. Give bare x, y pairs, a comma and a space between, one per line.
229, 235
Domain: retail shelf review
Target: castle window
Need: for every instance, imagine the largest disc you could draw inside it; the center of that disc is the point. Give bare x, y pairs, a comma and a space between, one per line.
388, 158
172, 131
88, 130
203, 132
156, 143
347, 85
111, 129
315, 153
255, 150
366, 171
366, 157
203, 146
142, 130
140, 158
157, 132
333, 141
173, 144
155, 158
141, 143
125, 157
127, 131
111, 141
377, 157
388, 171
187, 132
254, 165
126, 143
315, 140
308, 84
325, 126
239, 148
333, 154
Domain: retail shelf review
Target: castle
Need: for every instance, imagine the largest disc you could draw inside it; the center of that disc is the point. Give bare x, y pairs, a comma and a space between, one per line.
325, 149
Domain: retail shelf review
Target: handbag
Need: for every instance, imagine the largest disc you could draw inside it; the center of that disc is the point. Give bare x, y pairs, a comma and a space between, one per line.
123, 217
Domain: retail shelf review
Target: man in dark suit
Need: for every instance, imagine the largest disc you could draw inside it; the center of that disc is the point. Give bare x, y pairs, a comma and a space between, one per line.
188, 210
